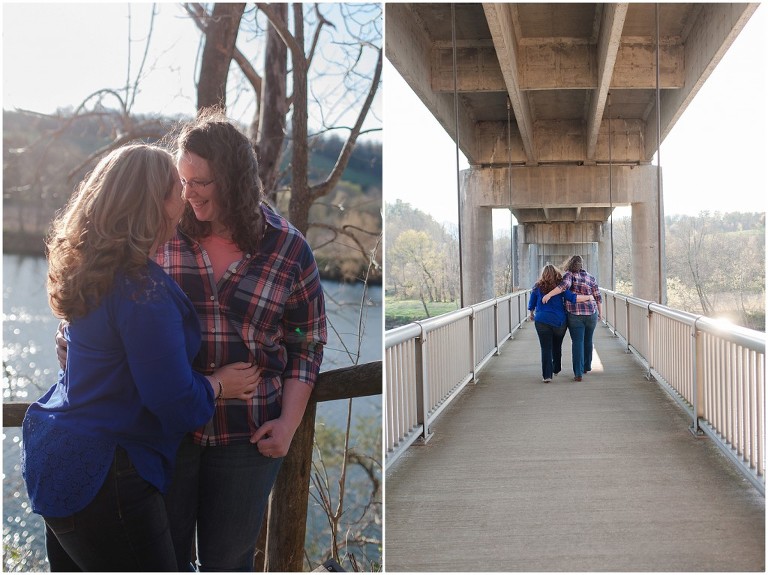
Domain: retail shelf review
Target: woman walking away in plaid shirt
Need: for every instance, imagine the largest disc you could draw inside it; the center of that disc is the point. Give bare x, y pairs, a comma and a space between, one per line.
582, 316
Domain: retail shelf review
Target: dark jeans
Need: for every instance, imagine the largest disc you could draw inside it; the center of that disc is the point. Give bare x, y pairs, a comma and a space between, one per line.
224, 491
124, 528
581, 328
551, 341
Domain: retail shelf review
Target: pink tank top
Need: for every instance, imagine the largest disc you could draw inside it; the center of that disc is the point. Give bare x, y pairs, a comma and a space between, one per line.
222, 253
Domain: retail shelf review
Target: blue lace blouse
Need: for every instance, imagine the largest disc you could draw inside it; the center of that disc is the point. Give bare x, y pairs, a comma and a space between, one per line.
127, 382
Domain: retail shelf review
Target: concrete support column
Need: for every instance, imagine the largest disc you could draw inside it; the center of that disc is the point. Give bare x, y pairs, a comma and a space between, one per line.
647, 283
604, 258
529, 259
476, 243
555, 191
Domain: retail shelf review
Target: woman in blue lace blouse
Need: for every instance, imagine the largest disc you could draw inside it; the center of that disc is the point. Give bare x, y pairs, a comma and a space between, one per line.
99, 446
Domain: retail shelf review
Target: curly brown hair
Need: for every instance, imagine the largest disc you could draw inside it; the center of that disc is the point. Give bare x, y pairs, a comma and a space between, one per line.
550, 278
574, 264
110, 223
235, 168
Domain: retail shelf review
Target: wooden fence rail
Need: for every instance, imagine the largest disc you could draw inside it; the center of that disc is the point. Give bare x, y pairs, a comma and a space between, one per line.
287, 519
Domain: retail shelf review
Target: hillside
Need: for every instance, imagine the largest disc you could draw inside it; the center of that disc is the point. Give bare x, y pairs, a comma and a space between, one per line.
44, 159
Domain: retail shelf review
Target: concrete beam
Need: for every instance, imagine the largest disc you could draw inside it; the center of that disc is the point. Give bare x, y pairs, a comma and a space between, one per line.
581, 189
716, 27
607, 49
477, 69
501, 25
409, 50
560, 141
561, 233
559, 186
560, 65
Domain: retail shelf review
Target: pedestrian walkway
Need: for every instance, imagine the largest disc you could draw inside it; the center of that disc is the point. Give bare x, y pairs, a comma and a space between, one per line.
598, 475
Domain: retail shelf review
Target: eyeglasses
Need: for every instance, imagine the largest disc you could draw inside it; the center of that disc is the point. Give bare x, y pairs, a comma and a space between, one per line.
194, 184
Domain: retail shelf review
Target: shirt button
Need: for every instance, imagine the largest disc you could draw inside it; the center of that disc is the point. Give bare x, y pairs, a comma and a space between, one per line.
213, 365
213, 330
213, 298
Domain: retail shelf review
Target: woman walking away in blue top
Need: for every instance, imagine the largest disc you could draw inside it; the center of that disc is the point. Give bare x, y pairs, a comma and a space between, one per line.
550, 319
99, 446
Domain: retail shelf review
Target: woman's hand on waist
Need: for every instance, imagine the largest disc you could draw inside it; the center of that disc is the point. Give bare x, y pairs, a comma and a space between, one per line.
238, 380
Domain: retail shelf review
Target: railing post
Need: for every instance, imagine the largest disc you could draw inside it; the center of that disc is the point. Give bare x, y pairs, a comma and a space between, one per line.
697, 360
472, 346
422, 384
651, 341
627, 316
496, 325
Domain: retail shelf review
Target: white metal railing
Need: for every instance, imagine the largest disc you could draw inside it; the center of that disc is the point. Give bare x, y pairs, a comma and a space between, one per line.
428, 362
715, 371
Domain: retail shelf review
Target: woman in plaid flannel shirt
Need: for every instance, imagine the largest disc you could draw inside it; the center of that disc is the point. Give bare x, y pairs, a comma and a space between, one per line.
255, 285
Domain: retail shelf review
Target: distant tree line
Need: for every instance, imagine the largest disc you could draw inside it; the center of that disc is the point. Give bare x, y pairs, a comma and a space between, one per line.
44, 157
715, 262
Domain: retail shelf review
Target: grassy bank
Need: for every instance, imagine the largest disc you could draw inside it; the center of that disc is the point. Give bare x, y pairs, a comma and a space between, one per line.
401, 312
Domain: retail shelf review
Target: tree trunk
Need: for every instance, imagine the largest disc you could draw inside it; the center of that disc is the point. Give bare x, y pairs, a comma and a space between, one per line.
290, 500
220, 37
290, 497
298, 209
274, 106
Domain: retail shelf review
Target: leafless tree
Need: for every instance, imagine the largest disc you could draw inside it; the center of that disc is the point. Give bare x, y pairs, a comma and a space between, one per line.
285, 535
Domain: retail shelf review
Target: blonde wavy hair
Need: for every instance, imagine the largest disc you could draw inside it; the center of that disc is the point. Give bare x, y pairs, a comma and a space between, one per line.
111, 223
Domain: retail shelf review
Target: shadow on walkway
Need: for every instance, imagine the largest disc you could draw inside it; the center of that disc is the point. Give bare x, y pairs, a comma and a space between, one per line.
600, 475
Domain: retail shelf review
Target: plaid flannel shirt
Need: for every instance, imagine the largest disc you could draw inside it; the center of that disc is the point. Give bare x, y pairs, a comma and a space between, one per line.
268, 308
582, 283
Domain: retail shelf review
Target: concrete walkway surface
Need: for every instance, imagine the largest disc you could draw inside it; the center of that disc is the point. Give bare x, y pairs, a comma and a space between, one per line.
598, 475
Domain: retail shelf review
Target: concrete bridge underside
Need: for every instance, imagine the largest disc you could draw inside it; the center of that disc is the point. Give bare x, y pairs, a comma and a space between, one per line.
559, 109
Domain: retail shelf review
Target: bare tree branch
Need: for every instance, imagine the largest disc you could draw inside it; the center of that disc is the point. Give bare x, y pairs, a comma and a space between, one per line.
149, 130
297, 51
135, 88
321, 21
341, 164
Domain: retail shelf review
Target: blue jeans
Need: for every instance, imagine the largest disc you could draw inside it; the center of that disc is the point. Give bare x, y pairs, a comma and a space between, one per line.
581, 328
551, 342
124, 528
223, 491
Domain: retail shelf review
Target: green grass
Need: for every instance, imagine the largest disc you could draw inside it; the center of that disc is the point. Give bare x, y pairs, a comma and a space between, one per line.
401, 312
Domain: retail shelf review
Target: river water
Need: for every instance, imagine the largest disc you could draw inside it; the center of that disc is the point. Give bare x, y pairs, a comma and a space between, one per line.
30, 367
